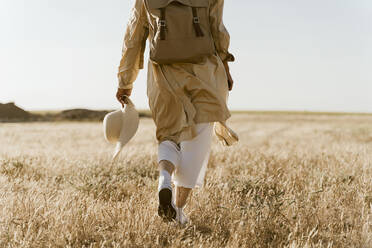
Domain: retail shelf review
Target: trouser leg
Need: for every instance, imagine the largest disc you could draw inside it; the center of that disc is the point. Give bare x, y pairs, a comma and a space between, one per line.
166, 165
194, 159
194, 156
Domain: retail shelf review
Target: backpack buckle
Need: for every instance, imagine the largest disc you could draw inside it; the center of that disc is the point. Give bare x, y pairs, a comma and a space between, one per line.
161, 23
196, 19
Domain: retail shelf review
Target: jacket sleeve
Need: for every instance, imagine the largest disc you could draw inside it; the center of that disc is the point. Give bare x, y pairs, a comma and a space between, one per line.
133, 46
220, 35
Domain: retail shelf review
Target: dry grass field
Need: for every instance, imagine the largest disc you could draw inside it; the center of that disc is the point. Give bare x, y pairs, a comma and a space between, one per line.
294, 180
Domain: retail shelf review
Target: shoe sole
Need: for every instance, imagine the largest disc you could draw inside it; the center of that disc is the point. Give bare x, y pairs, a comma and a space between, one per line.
165, 209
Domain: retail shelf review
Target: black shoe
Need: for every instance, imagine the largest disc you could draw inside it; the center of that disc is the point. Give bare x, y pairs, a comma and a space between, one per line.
165, 209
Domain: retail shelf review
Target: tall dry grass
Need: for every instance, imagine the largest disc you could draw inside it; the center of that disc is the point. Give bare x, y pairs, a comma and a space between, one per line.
293, 181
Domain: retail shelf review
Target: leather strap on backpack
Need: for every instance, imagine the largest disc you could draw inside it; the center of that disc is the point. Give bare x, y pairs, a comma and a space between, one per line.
196, 22
199, 32
162, 24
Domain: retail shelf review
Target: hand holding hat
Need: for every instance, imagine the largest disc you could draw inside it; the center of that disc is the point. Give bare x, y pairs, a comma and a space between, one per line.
121, 125
122, 94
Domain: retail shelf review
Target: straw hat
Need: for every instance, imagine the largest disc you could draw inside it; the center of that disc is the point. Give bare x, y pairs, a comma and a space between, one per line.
121, 125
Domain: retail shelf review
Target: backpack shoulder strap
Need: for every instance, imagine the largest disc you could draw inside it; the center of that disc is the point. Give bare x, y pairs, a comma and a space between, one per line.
196, 21
162, 24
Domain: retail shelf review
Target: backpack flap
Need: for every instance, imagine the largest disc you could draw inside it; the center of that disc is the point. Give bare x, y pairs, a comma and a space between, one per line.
181, 32
158, 4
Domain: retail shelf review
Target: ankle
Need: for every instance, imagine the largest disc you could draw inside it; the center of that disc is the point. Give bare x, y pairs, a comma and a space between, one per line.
166, 165
181, 206
165, 180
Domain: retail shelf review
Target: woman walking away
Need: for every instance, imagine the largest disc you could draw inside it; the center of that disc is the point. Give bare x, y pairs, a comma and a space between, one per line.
187, 87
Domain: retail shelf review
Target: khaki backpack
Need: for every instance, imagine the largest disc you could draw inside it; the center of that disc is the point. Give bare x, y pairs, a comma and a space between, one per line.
182, 31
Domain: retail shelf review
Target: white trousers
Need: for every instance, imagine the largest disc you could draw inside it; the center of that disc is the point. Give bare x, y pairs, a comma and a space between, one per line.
190, 158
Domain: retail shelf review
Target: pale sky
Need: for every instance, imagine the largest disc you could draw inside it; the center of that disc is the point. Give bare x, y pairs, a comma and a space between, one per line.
290, 54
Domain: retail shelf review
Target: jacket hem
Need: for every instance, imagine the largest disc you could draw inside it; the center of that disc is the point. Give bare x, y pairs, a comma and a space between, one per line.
203, 119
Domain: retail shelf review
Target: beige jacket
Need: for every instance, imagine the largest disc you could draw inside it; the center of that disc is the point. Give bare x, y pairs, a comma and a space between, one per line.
180, 95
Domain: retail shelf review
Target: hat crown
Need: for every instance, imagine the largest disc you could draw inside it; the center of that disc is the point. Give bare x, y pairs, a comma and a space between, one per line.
121, 125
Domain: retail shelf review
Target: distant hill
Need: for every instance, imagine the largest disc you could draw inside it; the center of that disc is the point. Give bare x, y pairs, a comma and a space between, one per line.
9, 112
81, 114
